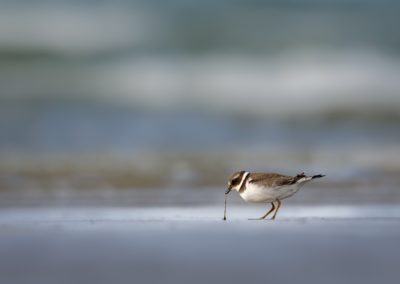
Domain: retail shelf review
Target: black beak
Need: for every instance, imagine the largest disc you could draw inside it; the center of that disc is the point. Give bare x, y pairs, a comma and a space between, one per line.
228, 190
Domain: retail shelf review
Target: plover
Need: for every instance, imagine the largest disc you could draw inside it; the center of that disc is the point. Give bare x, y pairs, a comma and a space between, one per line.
266, 187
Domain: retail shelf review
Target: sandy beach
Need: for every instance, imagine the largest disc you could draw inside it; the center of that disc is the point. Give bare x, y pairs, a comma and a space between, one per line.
346, 244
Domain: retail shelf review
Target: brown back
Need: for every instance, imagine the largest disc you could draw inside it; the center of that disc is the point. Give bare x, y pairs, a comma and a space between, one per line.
274, 179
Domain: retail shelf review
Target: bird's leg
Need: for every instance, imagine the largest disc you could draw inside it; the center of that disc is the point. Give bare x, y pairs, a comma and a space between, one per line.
269, 212
276, 211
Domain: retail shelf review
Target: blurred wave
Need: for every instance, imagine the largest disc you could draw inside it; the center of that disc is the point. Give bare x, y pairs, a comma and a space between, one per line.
271, 59
291, 83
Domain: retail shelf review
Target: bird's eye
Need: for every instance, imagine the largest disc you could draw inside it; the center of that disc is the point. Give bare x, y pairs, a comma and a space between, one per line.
235, 181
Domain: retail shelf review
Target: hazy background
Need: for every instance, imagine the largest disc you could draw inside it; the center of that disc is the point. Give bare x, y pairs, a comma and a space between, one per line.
120, 122
139, 102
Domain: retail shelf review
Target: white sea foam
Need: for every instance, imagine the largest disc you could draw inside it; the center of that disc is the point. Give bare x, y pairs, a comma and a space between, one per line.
292, 82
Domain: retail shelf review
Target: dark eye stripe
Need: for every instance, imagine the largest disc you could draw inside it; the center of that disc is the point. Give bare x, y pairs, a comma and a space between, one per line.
236, 181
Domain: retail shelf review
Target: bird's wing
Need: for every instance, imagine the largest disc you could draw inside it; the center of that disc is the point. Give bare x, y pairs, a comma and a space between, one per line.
273, 179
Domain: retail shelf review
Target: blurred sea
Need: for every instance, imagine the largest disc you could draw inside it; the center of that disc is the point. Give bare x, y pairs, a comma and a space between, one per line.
134, 94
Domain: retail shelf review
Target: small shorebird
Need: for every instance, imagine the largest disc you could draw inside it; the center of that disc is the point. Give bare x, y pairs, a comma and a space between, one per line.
267, 187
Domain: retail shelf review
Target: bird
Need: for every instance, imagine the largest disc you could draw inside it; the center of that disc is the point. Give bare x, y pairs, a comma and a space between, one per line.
267, 188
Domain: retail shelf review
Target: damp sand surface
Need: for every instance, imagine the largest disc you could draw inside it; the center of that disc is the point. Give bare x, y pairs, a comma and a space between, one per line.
305, 244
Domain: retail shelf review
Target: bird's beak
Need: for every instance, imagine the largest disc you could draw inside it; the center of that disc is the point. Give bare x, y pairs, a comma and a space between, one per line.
228, 190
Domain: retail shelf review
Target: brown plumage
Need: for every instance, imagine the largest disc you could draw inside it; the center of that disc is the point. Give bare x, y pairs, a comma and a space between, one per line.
273, 179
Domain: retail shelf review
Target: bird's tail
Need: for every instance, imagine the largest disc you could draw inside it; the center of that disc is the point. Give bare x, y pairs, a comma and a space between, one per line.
317, 176
302, 178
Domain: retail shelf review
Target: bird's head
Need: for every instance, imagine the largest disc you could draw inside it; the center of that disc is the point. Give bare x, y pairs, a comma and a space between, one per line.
236, 180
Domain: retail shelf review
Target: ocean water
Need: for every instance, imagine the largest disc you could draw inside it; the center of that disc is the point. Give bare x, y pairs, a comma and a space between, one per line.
132, 94
308, 56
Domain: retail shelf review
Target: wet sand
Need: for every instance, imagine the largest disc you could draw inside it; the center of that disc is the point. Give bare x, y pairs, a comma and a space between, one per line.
325, 244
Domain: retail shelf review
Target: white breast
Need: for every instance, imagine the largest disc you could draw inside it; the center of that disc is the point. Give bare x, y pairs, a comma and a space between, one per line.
256, 193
